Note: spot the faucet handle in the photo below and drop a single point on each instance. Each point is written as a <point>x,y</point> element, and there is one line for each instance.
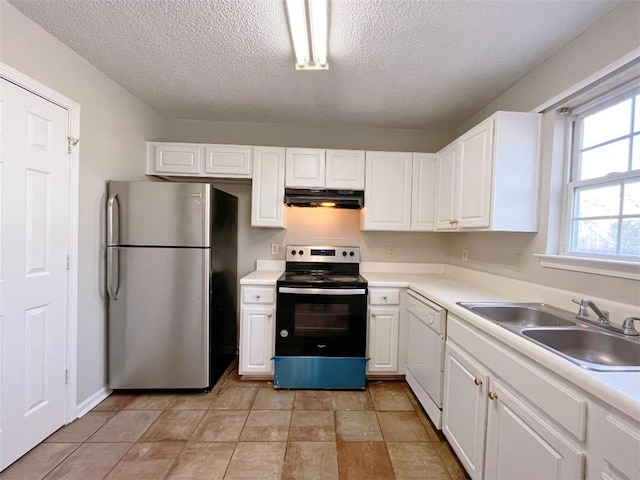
<point>628,328</point>
<point>584,303</point>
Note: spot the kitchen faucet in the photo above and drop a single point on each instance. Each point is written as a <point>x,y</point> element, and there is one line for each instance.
<point>583,313</point>
<point>628,327</point>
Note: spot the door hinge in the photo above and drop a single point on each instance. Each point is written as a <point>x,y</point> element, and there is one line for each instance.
<point>66,376</point>
<point>68,262</point>
<point>72,142</point>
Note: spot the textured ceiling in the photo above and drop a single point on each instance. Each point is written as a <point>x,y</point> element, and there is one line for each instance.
<point>392,63</point>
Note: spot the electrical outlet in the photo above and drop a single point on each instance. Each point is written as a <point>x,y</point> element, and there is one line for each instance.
<point>391,252</point>
<point>465,255</point>
<point>275,247</point>
<point>519,262</point>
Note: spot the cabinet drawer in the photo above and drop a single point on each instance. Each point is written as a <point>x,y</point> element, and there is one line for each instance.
<point>384,297</point>
<point>258,295</point>
<point>564,405</point>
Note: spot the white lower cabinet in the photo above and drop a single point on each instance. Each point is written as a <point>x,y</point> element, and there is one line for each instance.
<point>617,446</point>
<point>465,409</point>
<point>521,445</point>
<point>383,328</point>
<point>257,331</point>
<point>498,431</point>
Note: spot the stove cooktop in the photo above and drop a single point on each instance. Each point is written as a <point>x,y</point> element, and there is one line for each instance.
<point>324,279</point>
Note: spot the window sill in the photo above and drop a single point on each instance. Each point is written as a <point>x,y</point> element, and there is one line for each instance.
<point>596,266</point>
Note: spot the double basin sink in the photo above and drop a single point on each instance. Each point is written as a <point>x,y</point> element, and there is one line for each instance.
<point>557,330</point>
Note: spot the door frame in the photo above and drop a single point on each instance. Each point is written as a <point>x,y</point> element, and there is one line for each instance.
<point>71,344</point>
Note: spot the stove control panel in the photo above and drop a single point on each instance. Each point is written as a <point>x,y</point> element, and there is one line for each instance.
<point>297,253</point>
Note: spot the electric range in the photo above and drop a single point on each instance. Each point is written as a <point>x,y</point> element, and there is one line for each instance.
<point>321,319</point>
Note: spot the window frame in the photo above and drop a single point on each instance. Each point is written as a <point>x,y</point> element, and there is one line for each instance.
<point>596,103</point>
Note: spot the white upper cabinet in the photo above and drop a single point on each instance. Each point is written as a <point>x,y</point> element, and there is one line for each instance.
<point>198,160</point>
<point>228,160</point>
<point>446,187</point>
<point>474,176</point>
<point>423,192</point>
<point>267,188</point>
<point>318,168</point>
<point>305,168</point>
<point>174,158</point>
<point>488,178</point>
<point>345,169</point>
<point>387,193</point>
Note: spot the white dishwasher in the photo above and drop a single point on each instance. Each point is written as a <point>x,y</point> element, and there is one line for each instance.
<point>425,353</point>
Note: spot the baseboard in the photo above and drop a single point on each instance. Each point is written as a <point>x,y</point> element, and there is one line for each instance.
<point>92,401</point>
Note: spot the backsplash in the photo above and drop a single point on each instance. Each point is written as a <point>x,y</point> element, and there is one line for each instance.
<point>326,226</point>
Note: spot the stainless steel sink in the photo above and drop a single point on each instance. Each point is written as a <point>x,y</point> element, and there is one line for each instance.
<point>558,331</point>
<point>521,315</point>
<point>591,346</point>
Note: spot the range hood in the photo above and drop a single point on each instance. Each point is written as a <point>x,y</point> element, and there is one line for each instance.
<point>312,197</point>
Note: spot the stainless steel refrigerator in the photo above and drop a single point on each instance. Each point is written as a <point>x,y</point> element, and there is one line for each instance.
<point>171,283</point>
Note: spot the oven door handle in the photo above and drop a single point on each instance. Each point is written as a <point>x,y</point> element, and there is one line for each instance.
<point>323,291</point>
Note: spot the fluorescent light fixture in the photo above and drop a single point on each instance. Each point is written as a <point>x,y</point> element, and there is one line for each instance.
<point>318,25</point>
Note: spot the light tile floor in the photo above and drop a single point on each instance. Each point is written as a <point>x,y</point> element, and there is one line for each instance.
<point>248,430</point>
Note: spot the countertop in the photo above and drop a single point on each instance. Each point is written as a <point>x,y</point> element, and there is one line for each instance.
<point>261,277</point>
<point>618,389</point>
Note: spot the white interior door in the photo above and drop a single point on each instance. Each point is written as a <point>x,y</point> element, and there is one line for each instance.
<point>34,239</point>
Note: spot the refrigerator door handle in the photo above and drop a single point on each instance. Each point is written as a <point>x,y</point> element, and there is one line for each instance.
<point>113,273</point>
<point>111,203</point>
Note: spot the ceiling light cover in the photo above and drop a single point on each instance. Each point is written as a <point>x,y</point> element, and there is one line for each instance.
<point>319,20</point>
<point>310,38</point>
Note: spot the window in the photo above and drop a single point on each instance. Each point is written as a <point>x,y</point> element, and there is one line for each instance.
<point>603,211</point>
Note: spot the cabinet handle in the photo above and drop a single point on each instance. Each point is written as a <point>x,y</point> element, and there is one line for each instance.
<point>257,297</point>
<point>493,395</point>
<point>384,298</point>
<point>454,222</point>
<point>373,314</point>
<point>477,381</point>
<point>269,315</point>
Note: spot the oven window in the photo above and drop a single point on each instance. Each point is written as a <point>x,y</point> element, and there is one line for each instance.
<point>321,320</point>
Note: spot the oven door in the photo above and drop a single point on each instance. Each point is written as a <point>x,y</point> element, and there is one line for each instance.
<point>328,322</point>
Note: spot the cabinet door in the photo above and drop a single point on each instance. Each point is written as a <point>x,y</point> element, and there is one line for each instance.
<point>174,159</point>
<point>475,177</point>
<point>617,445</point>
<point>228,160</point>
<point>446,188</point>
<point>382,345</point>
<point>257,340</point>
<point>423,192</point>
<point>267,187</point>
<point>465,409</point>
<point>387,195</point>
<point>305,167</point>
<point>520,445</point>
<point>345,169</point>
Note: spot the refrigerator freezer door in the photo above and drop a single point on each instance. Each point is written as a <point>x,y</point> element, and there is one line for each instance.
<point>159,317</point>
<point>156,214</point>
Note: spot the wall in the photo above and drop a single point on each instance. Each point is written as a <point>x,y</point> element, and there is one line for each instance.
<point>114,127</point>
<point>612,37</point>
<point>297,135</point>
<point>316,226</point>
<point>321,226</point>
